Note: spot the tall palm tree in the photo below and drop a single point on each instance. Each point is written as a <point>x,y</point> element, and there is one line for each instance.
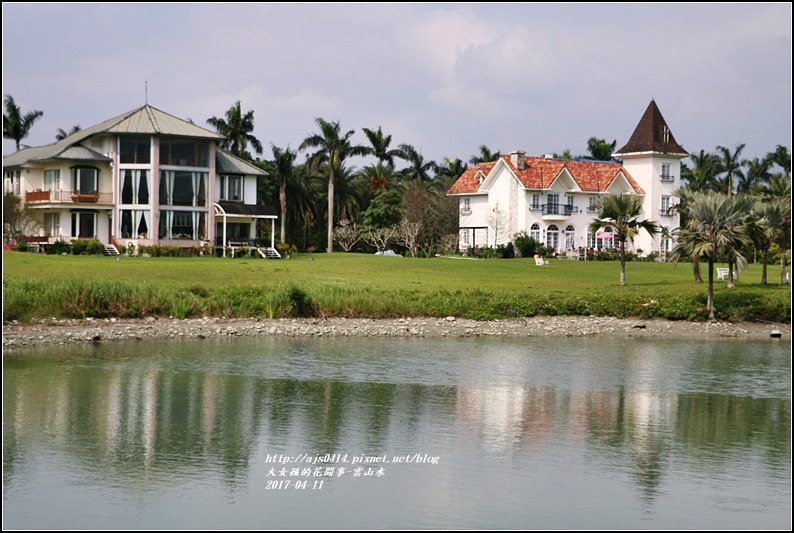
<point>703,176</point>
<point>485,156</point>
<point>756,178</point>
<point>600,149</point>
<point>380,146</point>
<point>380,176</point>
<point>764,224</point>
<point>731,164</point>
<point>16,125</point>
<point>685,197</point>
<point>333,148</point>
<point>61,134</point>
<point>238,129</point>
<point>716,225</point>
<point>451,169</point>
<point>282,168</point>
<point>418,168</point>
<point>622,211</point>
<point>782,158</point>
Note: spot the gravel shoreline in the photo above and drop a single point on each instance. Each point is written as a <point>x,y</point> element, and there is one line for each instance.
<point>62,332</point>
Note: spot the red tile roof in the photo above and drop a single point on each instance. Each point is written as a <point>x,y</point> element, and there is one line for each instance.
<point>539,173</point>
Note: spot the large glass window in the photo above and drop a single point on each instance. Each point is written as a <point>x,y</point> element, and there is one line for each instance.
<point>83,225</point>
<point>184,152</point>
<point>135,150</point>
<point>52,224</point>
<point>232,188</point>
<point>183,225</point>
<point>553,236</point>
<point>52,180</point>
<point>570,238</point>
<point>84,180</point>
<point>134,186</point>
<point>183,188</point>
<point>534,232</point>
<point>134,224</point>
<point>665,205</point>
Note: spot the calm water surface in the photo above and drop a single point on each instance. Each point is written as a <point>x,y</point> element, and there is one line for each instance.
<point>419,433</point>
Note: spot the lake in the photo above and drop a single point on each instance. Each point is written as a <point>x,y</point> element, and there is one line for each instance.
<point>266,433</point>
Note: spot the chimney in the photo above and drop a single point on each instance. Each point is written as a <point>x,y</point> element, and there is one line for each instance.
<point>517,159</point>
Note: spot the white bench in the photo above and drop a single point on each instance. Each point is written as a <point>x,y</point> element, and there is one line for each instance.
<point>722,273</point>
<point>540,262</point>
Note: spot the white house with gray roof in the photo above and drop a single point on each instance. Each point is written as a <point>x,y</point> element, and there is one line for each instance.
<point>142,178</point>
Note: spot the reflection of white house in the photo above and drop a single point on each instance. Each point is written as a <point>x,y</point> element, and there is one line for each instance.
<point>553,200</point>
<point>144,177</point>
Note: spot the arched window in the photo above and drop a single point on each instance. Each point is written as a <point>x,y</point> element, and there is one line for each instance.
<point>534,232</point>
<point>570,238</point>
<point>553,237</point>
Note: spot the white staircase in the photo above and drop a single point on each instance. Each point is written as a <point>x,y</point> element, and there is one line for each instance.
<point>110,249</point>
<point>269,253</point>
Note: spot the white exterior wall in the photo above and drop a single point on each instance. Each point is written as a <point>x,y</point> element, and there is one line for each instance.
<point>646,171</point>
<point>249,190</point>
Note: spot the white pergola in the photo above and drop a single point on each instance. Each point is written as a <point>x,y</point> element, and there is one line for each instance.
<point>245,214</point>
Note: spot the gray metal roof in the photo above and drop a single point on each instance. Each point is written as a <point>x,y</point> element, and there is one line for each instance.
<point>145,120</point>
<point>239,208</point>
<point>228,163</point>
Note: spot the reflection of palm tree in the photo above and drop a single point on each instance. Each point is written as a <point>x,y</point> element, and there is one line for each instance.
<point>333,148</point>
<point>237,128</point>
<point>622,211</point>
<point>716,224</point>
<point>17,126</point>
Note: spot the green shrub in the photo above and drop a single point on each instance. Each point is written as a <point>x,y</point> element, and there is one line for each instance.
<point>59,247</point>
<point>22,246</point>
<point>94,247</point>
<point>79,246</point>
<point>525,245</point>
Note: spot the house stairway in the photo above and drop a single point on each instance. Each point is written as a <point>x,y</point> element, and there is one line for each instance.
<point>269,253</point>
<point>110,249</point>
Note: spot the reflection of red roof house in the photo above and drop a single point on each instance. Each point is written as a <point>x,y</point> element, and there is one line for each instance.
<point>554,200</point>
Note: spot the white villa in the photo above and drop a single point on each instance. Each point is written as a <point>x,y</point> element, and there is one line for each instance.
<point>142,178</point>
<point>553,200</point>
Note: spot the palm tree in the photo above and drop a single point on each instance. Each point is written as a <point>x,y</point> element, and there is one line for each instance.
<point>703,176</point>
<point>61,134</point>
<point>716,225</point>
<point>333,148</point>
<point>622,211</point>
<point>380,146</point>
<point>379,176</point>
<point>451,169</point>
<point>782,158</point>
<point>600,149</point>
<point>418,168</point>
<point>730,164</point>
<point>685,197</point>
<point>237,128</point>
<point>757,176</point>
<point>17,126</point>
<point>767,217</point>
<point>485,156</point>
<point>282,168</point>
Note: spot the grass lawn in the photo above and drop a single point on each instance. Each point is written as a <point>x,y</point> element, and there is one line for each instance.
<point>340,284</point>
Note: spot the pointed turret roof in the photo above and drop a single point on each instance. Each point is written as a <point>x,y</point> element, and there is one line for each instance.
<point>652,135</point>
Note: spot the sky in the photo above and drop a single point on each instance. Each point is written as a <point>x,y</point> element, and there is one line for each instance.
<point>445,78</point>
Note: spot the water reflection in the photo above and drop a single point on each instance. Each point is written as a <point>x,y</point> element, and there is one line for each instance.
<point>650,411</point>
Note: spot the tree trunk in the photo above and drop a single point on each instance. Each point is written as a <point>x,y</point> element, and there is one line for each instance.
<point>330,247</point>
<point>696,270</point>
<point>711,288</point>
<point>622,262</point>
<point>282,197</point>
<point>783,279</point>
<point>763,266</point>
<point>731,284</point>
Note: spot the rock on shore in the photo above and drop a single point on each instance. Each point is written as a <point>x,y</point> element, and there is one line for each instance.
<point>60,332</point>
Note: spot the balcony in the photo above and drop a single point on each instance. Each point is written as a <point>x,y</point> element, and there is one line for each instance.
<point>33,197</point>
<point>558,211</point>
<point>667,178</point>
<point>465,211</point>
